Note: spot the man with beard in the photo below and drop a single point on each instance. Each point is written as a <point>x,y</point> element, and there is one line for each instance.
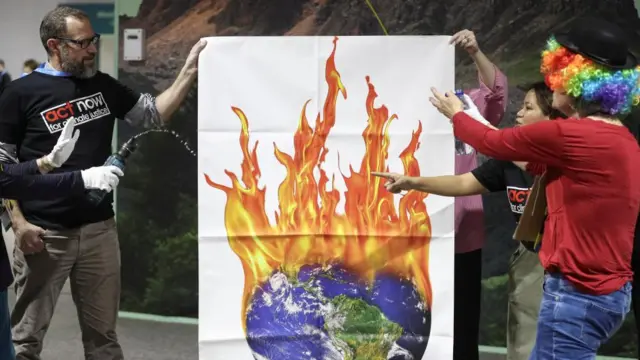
<point>82,241</point>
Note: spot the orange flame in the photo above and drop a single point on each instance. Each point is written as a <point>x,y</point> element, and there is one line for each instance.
<point>369,238</point>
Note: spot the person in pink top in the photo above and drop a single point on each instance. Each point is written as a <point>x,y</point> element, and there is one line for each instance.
<point>491,99</point>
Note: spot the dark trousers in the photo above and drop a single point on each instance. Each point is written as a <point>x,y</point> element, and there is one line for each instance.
<point>6,346</point>
<point>635,298</point>
<point>635,292</point>
<point>466,307</point>
<point>635,266</point>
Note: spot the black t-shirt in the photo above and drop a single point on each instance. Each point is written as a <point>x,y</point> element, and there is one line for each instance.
<point>33,111</point>
<point>5,79</point>
<point>497,175</point>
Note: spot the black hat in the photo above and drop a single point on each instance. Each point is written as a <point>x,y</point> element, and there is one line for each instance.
<point>600,41</point>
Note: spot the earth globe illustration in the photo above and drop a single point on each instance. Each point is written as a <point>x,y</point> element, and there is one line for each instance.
<point>329,313</point>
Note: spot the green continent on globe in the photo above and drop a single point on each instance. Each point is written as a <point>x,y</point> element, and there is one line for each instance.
<point>362,330</point>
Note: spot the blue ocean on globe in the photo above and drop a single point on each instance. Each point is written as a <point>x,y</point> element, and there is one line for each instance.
<point>329,313</point>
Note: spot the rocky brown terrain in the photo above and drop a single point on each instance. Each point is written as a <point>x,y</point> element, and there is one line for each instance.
<point>507,29</point>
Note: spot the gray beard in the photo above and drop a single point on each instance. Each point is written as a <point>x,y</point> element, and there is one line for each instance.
<point>77,69</point>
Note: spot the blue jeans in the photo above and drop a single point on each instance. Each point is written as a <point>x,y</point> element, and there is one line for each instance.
<point>572,325</point>
<point>6,345</point>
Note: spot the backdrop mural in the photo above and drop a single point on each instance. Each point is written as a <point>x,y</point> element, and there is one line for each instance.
<point>157,209</point>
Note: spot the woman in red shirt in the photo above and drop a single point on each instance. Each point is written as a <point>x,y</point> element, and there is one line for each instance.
<point>593,194</point>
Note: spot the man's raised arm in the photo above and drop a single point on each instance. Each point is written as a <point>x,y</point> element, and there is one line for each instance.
<point>148,111</point>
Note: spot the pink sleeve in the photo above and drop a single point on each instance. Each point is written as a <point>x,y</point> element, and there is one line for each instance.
<point>492,102</point>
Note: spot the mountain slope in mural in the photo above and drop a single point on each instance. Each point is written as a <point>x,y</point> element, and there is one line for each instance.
<point>507,29</point>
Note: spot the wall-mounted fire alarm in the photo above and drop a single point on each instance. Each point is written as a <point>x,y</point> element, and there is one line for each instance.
<point>134,45</point>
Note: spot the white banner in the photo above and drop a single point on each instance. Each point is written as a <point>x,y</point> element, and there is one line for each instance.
<point>303,254</point>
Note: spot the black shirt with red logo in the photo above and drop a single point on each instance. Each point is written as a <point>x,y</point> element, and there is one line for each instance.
<point>496,175</point>
<point>33,111</point>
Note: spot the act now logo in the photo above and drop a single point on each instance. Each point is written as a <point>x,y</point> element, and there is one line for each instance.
<point>518,198</point>
<point>84,109</point>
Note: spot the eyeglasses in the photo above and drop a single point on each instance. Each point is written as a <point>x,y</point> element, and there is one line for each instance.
<point>84,43</point>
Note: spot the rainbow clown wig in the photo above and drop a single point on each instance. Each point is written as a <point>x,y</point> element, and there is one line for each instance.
<point>616,91</point>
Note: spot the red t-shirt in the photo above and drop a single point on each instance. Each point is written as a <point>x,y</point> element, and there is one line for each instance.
<point>593,192</point>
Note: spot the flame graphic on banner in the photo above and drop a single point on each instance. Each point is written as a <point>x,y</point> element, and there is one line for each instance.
<point>370,237</point>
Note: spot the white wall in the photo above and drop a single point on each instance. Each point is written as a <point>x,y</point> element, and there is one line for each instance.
<point>20,39</point>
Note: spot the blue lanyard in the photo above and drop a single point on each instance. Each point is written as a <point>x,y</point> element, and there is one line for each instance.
<point>45,68</point>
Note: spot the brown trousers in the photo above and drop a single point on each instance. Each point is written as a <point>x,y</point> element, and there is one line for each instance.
<point>90,257</point>
<point>526,276</point>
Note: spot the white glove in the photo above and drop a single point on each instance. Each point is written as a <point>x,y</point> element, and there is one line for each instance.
<point>65,145</point>
<point>101,177</point>
<point>472,110</point>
